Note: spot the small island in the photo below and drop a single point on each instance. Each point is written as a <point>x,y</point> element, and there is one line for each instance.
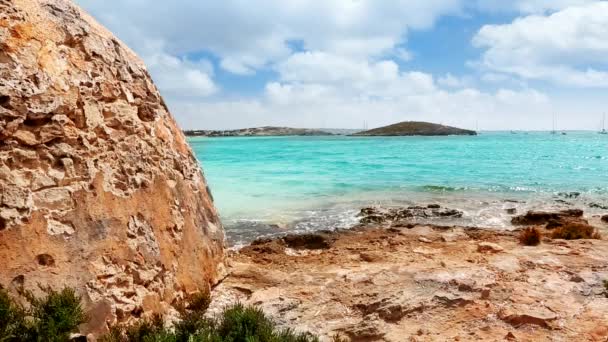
<point>266,131</point>
<point>410,128</point>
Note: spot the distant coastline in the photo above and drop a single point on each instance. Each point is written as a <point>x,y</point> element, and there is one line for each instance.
<point>266,131</point>
<point>413,128</point>
<point>407,128</point>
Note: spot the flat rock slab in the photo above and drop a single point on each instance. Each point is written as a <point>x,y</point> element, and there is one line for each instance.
<point>393,284</point>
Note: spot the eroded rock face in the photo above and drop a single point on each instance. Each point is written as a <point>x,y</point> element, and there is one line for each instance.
<point>98,188</point>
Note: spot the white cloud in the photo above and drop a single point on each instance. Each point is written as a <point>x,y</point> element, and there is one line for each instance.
<point>529,6</point>
<point>249,35</point>
<point>356,77</point>
<point>337,62</point>
<point>451,81</point>
<point>568,47</point>
<point>307,96</point>
<point>179,77</point>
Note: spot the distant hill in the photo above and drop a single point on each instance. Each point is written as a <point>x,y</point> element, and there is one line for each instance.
<point>266,131</point>
<point>415,128</point>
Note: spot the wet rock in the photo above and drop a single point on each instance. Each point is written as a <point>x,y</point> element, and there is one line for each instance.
<point>511,211</point>
<point>401,216</point>
<point>309,241</point>
<point>448,213</point>
<point>598,206</point>
<point>264,246</point>
<point>543,217</point>
<point>573,194</point>
<point>605,218</point>
<point>489,247</point>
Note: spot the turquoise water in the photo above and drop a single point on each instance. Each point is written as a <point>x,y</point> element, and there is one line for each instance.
<point>271,185</point>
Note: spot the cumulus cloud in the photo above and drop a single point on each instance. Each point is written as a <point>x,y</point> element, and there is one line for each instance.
<point>179,77</point>
<point>338,63</point>
<point>568,47</point>
<point>529,6</point>
<point>346,100</point>
<point>249,35</point>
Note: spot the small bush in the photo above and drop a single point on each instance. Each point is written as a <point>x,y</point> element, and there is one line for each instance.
<point>237,323</point>
<point>12,319</point>
<point>51,318</point>
<point>575,231</point>
<point>54,317</point>
<point>530,237</point>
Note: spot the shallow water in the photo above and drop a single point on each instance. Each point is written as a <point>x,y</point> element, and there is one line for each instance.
<point>270,185</point>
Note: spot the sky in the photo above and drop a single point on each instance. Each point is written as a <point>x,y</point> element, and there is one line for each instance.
<point>487,64</point>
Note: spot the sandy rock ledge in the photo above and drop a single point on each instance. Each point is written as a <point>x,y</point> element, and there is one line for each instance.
<point>427,283</point>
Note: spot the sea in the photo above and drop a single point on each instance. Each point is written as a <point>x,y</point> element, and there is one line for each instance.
<point>268,186</point>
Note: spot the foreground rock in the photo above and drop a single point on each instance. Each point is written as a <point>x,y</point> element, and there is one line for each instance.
<point>409,128</point>
<point>427,283</point>
<point>266,131</point>
<point>98,189</point>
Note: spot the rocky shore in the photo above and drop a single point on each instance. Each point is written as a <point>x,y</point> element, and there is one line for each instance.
<point>391,280</point>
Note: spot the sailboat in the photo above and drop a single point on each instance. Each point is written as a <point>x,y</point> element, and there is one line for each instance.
<point>553,130</point>
<point>603,131</point>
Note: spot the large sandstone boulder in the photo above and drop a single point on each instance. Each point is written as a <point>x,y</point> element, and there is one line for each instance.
<point>99,189</point>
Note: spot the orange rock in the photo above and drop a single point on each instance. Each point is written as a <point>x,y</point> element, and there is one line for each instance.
<point>99,190</point>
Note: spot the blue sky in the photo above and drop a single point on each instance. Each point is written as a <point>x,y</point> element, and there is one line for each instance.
<point>504,64</point>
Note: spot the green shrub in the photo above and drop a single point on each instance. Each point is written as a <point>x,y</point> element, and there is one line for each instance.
<point>51,318</point>
<point>54,317</point>
<point>237,323</point>
<point>12,319</point>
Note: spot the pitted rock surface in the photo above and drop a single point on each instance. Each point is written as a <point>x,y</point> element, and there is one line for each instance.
<point>98,188</point>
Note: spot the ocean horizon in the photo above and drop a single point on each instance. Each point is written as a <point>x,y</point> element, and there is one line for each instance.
<point>267,186</point>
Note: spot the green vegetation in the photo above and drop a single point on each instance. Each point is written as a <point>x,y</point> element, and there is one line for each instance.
<point>54,317</point>
<point>236,324</point>
<point>51,318</point>
<point>530,237</point>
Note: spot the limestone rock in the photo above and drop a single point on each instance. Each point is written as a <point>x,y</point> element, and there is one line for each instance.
<point>538,316</point>
<point>99,190</point>
<point>489,247</point>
